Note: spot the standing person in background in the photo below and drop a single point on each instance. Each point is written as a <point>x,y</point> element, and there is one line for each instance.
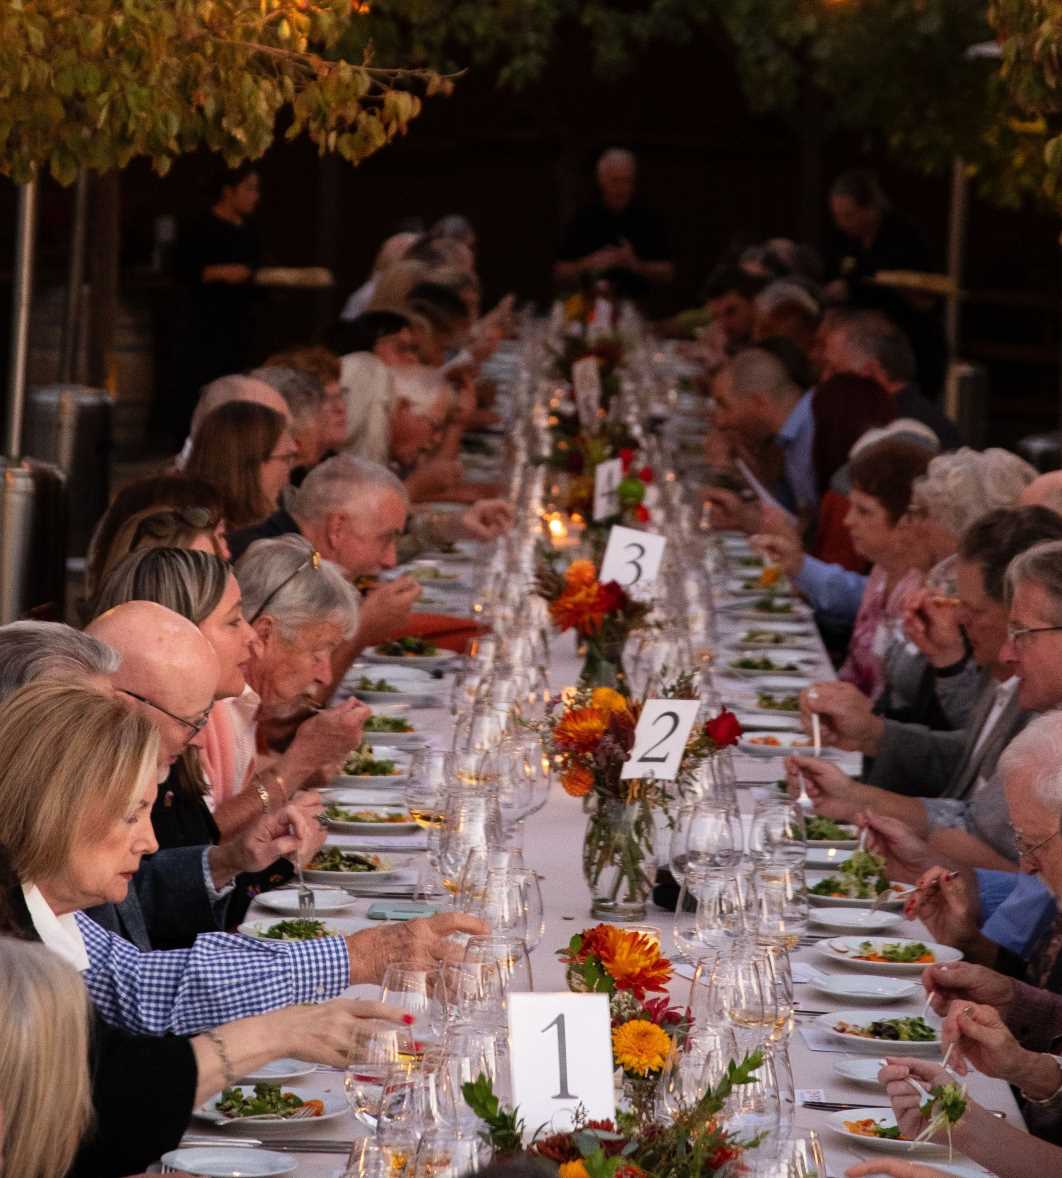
<point>616,238</point>
<point>216,259</point>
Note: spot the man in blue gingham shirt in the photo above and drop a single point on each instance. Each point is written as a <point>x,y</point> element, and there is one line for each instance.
<point>224,977</point>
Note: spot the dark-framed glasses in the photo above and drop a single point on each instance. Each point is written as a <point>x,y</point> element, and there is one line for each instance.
<point>311,561</point>
<point>195,726</point>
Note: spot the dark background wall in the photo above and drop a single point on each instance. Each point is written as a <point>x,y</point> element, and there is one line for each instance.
<point>518,163</point>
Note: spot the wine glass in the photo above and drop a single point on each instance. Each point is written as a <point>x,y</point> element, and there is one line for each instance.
<point>471,823</point>
<point>443,1153</point>
<point>777,834</point>
<point>709,913</point>
<point>778,906</point>
<point>706,834</point>
<point>374,1053</point>
<point>533,905</point>
<point>429,775</point>
<point>420,993</point>
<point>747,996</point>
<point>502,903</point>
<point>369,1158</point>
<point>502,966</point>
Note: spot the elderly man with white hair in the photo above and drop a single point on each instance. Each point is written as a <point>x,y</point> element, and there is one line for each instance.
<point>616,237</point>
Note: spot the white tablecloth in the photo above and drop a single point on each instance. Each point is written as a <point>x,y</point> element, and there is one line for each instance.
<point>553,845</point>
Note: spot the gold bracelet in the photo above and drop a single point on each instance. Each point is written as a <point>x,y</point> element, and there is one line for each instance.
<point>219,1046</point>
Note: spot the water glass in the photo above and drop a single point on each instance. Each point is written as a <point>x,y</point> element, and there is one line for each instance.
<point>777,834</point>
<point>420,993</point>
<point>374,1053</point>
<point>777,910</point>
<point>442,1153</point>
<point>710,911</point>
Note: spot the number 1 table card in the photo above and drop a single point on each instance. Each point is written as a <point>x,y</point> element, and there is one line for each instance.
<point>660,738</point>
<point>561,1057</point>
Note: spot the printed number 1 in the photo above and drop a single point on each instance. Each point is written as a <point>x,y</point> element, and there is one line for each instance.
<point>562,1057</point>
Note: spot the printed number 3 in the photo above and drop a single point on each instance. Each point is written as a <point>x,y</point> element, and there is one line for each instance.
<point>562,1057</point>
<point>635,561</point>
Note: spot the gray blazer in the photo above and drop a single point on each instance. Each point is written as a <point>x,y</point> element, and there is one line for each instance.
<point>919,762</point>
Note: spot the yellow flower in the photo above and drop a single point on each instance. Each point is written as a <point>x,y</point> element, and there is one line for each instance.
<point>608,700</point>
<point>576,1169</point>
<point>640,1046</point>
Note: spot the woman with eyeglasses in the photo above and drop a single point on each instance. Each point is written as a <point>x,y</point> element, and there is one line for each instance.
<point>247,451</point>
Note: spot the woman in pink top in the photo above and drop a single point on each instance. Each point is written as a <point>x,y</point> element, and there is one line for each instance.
<point>883,475</point>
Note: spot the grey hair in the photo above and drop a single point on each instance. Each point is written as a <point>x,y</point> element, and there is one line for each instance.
<point>782,292</point>
<point>334,485</point>
<point>616,155</point>
<point>280,575</point>
<point>905,428</point>
<point>302,392</point>
<point>756,370</point>
<point>454,225</point>
<point>1038,746</point>
<point>1041,565</point>
<point>868,335</point>
<point>962,486</point>
<point>50,651</point>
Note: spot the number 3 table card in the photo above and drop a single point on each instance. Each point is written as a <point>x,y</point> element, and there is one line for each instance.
<point>561,1055</point>
<point>631,557</point>
<point>660,738</point>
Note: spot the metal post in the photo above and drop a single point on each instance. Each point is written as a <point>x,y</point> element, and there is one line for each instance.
<point>21,299</point>
<point>75,280</point>
<point>957,218</point>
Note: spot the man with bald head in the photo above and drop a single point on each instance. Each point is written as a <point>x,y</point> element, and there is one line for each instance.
<point>231,388</point>
<point>616,237</point>
<point>1044,491</point>
<point>169,672</point>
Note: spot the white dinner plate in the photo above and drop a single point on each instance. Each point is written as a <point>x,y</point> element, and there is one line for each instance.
<point>414,687</point>
<point>862,920</point>
<point>879,1047</point>
<point>767,721</point>
<point>259,928</point>
<point>346,782</point>
<point>846,844</point>
<point>787,610</point>
<point>790,631</point>
<point>798,641</point>
<point>228,1161</point>
<point>279,1071</point>
<point>374,828</point>
<point>866,987</point>
<point>378,741</point>
<point>774,744</point>
<point>747,587</point>
<point>894,902</point>
<point>886,1119</point>
<point>846,948</point>
<point>860,1069</point>
<point>826,857</point>
<point>780,665</point>
<point>333,1108</point>
<point>327,901</point>
<point>389,870</point>
<point>423,662</point>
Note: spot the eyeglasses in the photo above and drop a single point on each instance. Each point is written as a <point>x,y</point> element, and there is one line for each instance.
<point>1017,634</point>
<point>313,560</point>
<point>196,726</point>
<point>1026,850</point>
<point>163,525</point>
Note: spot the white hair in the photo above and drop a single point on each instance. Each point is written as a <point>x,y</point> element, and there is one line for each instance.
<point>962,486</point>
<point>755,370</point>
<point>281,576</point>
<point>333,485</point>
<point>1038,747</point>
<point>50,651</point>
<point>421,387</point>
<point>905,428</point>
<point>616,155</point>
<point>369,391</point>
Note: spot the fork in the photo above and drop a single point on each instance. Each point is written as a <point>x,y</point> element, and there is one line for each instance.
<point>307,903</point>
<point>303,1113</point>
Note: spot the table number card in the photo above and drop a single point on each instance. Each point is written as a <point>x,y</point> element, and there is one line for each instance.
<point>660,738</point>
<point>586,383</point>
<point>561,1057</point>
<point>632,557</point>
<point>607,477</point>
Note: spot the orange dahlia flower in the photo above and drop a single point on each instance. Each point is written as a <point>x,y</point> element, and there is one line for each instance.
<point>579,730</point>
<point>609,700</point>
<point>577,781</point>
<point>640,1046</point>
<point>632,960</point>
<point>580,608</point>
<point>580,574</point>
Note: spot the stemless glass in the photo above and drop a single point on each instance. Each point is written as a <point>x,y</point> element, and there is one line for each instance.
<point>777,834</point>
<point>374,1054</point>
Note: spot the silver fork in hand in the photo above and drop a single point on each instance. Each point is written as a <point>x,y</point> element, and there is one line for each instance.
<point>307,903</point>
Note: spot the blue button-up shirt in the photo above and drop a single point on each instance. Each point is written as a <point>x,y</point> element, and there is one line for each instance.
<point>796,438</point>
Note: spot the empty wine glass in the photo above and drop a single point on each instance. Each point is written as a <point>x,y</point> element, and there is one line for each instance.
<point>502,903</point>
<point>777,906</point>
<point>471,823</point>
<point>374,1053</point>
<point>706,834</point>
<point>777,834</point>
<point>429,776</point>
<point>709,913</point>
<point>502,966</point>
<point>443,1153</point>
<point>420,993</point>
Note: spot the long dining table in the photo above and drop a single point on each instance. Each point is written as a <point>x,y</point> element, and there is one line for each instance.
<point>553,847</point>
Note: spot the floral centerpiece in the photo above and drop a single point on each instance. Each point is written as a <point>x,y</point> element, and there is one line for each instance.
<point>628,966</point>
<point>603,614</point>
<point>694,1145</point>
<point>589,735</point>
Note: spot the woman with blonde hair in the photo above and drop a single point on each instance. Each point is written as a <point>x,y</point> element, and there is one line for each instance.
<point>44,1043</point>
<point>77,777</point>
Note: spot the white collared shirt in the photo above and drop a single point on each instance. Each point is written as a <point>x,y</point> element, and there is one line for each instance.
<point>60,933</point>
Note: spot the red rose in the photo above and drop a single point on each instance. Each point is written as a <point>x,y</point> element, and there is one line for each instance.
<point>626,457</point>
<point>646,474</point>
<point>611,597</point>
<point>724,729</point>
<point>641,513</point>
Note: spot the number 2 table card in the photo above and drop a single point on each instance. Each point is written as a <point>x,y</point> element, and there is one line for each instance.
<point>561,1057</point>
<point>631,557</point>
<point>660,738</point>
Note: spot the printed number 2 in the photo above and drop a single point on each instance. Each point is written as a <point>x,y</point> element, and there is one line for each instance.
<point>647,757</point>
<point>635,561</point>
<point>562,1057</point>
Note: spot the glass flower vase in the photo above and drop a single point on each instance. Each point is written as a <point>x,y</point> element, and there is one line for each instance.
<point>619,862</point>
<point>603,667</point>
